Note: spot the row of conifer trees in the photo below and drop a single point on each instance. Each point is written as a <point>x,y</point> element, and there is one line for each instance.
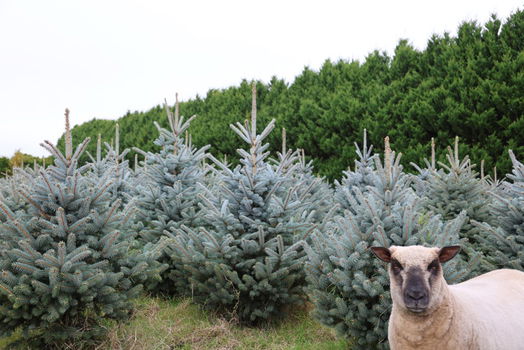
<point>79,242</point>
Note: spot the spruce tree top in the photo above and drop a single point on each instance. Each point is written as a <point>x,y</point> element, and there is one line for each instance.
<point>178,158</point>
<point>167,193</point>
<point>362,177</point>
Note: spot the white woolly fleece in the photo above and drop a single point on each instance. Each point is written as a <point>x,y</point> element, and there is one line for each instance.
<point>484,313</point>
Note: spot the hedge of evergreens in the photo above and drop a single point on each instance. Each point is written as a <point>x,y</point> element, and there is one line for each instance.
<point>469,85</point>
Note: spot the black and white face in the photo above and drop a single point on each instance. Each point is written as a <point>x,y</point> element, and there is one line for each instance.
<point>416,275</point>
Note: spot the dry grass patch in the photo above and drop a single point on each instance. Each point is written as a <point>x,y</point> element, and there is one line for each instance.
<point>160,324</point>
<point>177,324</point>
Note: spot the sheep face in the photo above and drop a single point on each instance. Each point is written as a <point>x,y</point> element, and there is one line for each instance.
<point>415,274</point>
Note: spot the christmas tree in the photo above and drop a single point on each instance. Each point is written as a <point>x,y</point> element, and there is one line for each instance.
<point>317,190</point>
<point>65,266</point>
<point>114,167</point>
<point>347,285</point>
<point>362,177</point>
<point>247,260</point>
<point>503,239</point>
<point>454,188</point>
<point>421,180</point>
<point>10,196</point>
<point>167,197</point>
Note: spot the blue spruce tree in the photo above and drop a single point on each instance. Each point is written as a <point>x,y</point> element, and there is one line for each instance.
<point>421,180</point>
<point>168,196</point>
<point>503,239</point>
<point>362,177</point>
<point>317,190</point>
<point>10,196</point>
<point>114,167</point>
<point>63,267</point>
<point>247,259</point>
<point>454,188</point>
<point>347,285</point>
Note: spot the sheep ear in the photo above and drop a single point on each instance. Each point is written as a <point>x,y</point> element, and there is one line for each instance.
<point>448,253</point>
<point>382,253</point>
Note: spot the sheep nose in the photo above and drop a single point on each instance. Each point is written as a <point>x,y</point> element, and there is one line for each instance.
<point>416,294</point>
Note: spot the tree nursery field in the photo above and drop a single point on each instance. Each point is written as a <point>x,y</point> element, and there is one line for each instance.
<point>257,238</point>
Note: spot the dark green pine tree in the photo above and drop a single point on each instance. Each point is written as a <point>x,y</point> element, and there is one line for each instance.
<point>504,238</point>
<point>247,260</point>
<point>347,284</point>
<point>65,267</point>
<point>167,196</point>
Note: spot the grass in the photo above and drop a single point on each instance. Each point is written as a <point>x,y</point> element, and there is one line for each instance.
<point>160,324</point>
<point>177,324</point>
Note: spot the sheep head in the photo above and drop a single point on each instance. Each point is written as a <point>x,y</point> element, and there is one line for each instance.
<point>415,273</point>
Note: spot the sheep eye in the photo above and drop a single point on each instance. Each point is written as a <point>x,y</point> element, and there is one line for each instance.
<point>395,266</point>
<point>433,266</point>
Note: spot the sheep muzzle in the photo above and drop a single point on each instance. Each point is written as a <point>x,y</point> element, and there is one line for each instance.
<point>416,292</point>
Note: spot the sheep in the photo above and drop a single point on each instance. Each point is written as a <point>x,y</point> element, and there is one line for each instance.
<point>483,313</point>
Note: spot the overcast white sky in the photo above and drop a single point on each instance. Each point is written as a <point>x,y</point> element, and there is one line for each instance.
<point>102,58</point>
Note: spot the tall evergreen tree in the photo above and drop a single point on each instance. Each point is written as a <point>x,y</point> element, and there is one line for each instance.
<point>504,238</point>
<point>454,188</point>
<point>421,180</point>
<point>362,177</point>
<point>247,261</point>
<point>346,285</point>
<point>114,167</point>
<point>66,267</point>
<point>316,189</point>
<point>167,197</point>
<point>10,196</point>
